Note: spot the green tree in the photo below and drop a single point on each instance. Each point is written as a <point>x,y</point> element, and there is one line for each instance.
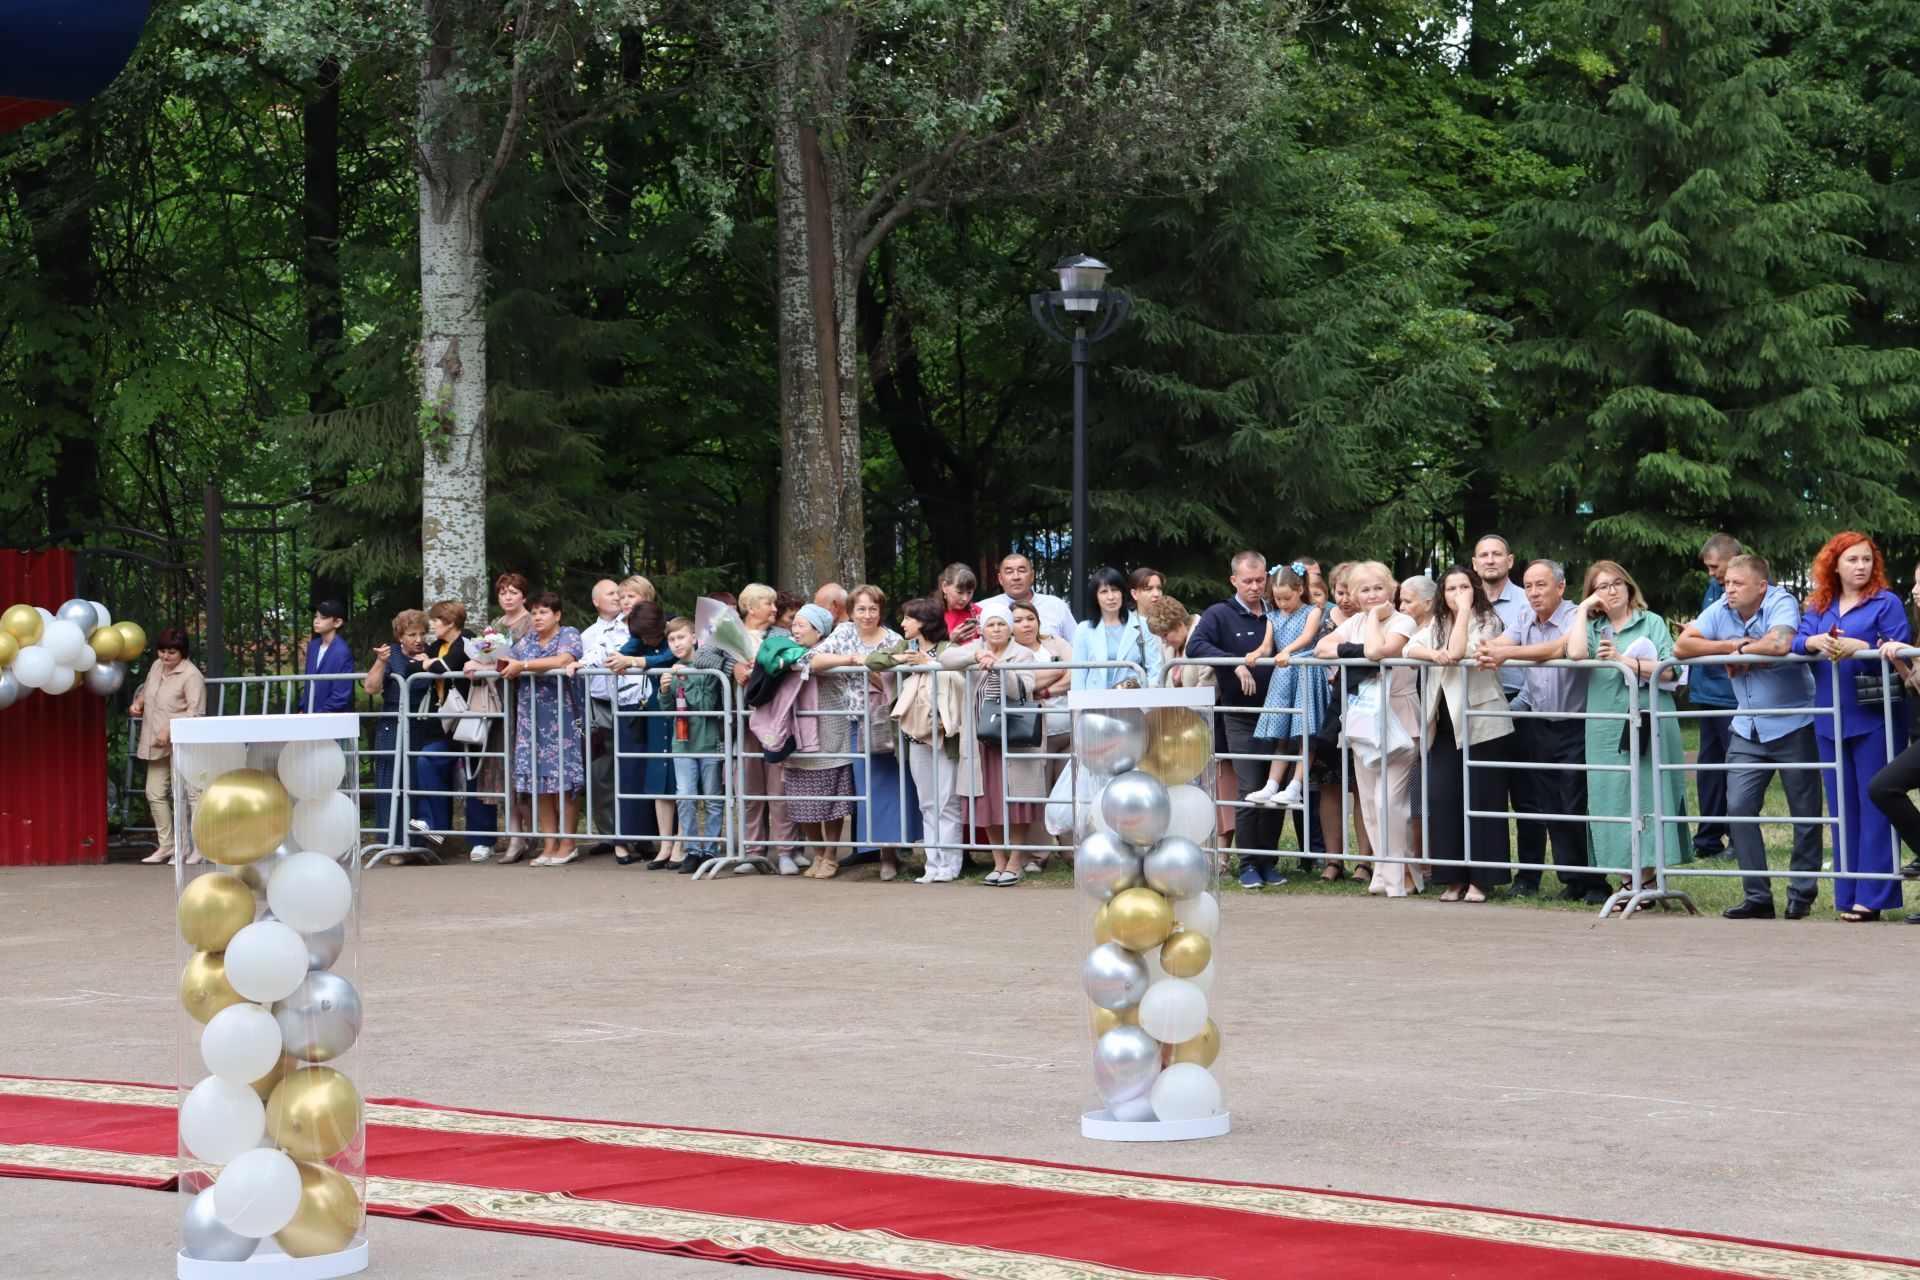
<point>1702,374</point>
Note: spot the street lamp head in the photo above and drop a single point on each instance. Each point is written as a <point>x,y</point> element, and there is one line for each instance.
<point>1081,274</point>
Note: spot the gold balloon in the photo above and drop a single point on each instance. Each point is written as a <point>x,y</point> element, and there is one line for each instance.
<point>1139,919</point>
<point>9,648</point>
<point>314,1113</point>
<point>1181,744</point>
<point>1201,1050</point>
<point>23,623</point>
<point>1101,932</point>
<point>133,641</point>
<point>266,1084</point>
<point>204,989</point>
<point>1186,953</point>
<point>106,643</point>
<point>244,814</point>
<point>1105,1020</point>
<point>328,1216</point>
<point>212,909</point>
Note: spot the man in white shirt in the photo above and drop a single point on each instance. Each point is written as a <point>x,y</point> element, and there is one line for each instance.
<point>1016,587</point>
<point>599,642</point>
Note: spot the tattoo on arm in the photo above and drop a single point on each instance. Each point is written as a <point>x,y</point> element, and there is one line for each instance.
<point>1781,638</point>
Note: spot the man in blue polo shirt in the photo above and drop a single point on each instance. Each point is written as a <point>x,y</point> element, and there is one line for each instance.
<point>1759,620</point>
<point>1235,628</point>
<point>1709,689</point>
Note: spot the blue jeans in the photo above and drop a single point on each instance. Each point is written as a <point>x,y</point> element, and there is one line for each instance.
<point>694,777</point>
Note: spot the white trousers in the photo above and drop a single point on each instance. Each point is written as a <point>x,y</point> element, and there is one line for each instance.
<point>941,806</point>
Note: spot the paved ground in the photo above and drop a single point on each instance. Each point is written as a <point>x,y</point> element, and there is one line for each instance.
<point>1693,1073</point>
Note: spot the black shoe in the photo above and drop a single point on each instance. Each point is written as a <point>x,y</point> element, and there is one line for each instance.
<point>1911,870</point>
<point>1596,897</point>
<point>1914,918</point>
<point>660,863</point>
<point>691,863</point>
<point>1749,911</point>
<point>1524,891</point>
<point>1709,851</point>
<point>1799,910</point>
<point>1571,893</point>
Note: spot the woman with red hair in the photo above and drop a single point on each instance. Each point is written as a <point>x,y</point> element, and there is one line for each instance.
<point>1848,613</point>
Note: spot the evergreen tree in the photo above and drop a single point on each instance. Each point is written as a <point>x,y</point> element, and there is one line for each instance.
<point>1703,374</point>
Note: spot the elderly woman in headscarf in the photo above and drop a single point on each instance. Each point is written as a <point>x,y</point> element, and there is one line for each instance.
<point>812,721</point>
<point>999,776</point>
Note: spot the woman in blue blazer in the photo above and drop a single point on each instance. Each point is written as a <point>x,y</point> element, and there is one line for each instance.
<point>1115,635</point>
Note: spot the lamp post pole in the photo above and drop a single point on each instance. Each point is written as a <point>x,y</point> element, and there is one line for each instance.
<point>1080,296</point>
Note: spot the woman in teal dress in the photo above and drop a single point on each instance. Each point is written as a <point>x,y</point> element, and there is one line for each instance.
<point>1616,616</point>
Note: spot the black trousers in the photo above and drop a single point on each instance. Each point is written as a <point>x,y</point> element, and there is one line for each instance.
<point>1891,791</point>
<point>1255,828</point>
<point>1508,789</point>
<point>1562,791</point>
<point>1450,793</point>
<point>1716,735</point>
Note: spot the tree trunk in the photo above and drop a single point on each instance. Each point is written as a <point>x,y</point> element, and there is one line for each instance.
<point>453,340</point>
<point>822,527</point>
<point>320,271</point>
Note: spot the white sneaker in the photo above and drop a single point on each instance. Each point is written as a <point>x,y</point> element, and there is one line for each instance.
<point>928,878</point>
<point>480,853</point>
<point>802,860</point>
<point>788,867</point>
<point>746,869</point>
<point>1289,798</point>
<point>995,878</point>
<point>1264,795</point>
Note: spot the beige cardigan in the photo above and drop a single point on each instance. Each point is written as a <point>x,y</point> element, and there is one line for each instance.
<point>1466,684</point>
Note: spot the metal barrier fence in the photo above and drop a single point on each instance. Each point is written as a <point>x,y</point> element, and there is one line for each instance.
<point>428,775</point>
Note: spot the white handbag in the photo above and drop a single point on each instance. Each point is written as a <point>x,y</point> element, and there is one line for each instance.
<point>1367,719</point>
<point>458,719</point>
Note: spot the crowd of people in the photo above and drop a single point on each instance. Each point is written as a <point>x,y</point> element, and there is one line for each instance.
<point>1440,708</point>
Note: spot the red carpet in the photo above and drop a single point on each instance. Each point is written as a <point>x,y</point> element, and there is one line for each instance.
<point>845,1209</point>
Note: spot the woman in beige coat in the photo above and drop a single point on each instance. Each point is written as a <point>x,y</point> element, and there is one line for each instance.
<point>1451,640</point>
<point>174,690</point>
<point>999,776</point>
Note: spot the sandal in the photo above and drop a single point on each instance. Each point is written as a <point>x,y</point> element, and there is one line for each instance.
<point>1860,915</point>
<point>1453,893</point>
<point>1361,871</point>
<point>1331,872</point>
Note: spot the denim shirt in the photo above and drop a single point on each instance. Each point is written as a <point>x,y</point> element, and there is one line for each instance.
<point>1786,684</point>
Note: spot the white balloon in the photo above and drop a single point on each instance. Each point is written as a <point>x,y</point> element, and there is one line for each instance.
<point>46,615</point>
<point>219,1119</point>
<point>59,680</point>
<point>1133,1110</point>
<point>63,640</point>
<point>241,1043</point>
<point>258,1193</point>
<point>1173,1010</point>
<point>328,825</point>
<point>205,761</point>
<point>106,619</point>
<point>1193,815</point>
<point>32,665</point>
<point>311,892</point>
<point>267,960</point>
<point>1200,914</point>
<point>312,770</point>
<point>1185,1091</point>
<point>1204,978</point>
<point>84,661</point>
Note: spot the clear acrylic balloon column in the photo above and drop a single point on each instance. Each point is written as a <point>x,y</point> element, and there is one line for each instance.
<point>1144,816</point>
<point>272,1125</point>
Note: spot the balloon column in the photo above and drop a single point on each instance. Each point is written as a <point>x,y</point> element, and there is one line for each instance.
<point>272,1126</point>
<point>77,644</point>
<point>1142,862</point>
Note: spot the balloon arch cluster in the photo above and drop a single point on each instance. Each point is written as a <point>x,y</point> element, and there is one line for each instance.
<point>1142,828</point>
<point>55,651</point>
<point>272,1134</point>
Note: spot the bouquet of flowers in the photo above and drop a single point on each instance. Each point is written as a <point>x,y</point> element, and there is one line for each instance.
<point>491,646</point>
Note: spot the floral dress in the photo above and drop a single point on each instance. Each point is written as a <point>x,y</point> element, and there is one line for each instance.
<point>548,747</point>
<point>1294,692</point>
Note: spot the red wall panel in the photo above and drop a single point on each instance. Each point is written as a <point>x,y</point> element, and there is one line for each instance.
<point>53,751</point>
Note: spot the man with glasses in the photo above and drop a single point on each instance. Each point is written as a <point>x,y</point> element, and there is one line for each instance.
<point>1555,737</point>
<point>1759,619</point>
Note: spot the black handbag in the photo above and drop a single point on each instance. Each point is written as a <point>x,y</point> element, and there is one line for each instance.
<point>1024,722</point>
<point>1875,687</point>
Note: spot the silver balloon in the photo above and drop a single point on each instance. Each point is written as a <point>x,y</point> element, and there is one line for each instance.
<point>1114,977</point>
<point>1104,865</point>
<point>257,873</point>
<point>1177,868</point>
<point>321,1019</point>
<point>323,948</point>
<point>1136,808</point>
<point>10,690</point>
<point>81,614</point>
<point>1125,1062</point>
<point>204,1239</point>
<point>105,678</point>
<point>1112,742</point>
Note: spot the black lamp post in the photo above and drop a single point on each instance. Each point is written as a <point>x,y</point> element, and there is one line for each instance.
<point>1083,301</point>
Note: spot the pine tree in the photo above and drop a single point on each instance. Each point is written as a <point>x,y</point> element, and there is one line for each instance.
<point>1703,374</point>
